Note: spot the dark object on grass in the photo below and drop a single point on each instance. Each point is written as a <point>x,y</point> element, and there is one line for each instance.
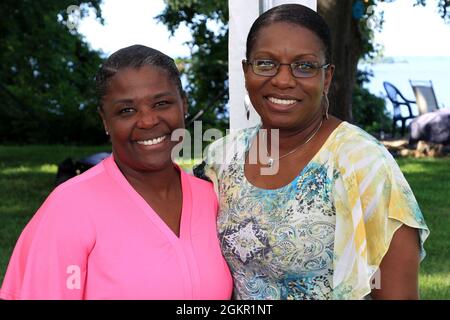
<point>69,169</point>
<point>199,171</point>
<point>432,127</point>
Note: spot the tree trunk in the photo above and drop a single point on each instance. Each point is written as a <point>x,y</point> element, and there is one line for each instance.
<point>347,49</point>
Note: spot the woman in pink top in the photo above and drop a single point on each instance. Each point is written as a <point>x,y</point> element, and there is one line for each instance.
<point>135,226</point>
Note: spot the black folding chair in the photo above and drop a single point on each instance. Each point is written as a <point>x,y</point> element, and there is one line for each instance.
<point>398,100</point>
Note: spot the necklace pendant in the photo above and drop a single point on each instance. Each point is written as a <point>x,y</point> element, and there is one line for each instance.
<point>270,163</point>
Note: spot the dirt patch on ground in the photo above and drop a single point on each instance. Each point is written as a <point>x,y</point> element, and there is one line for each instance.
<point>402,148</point>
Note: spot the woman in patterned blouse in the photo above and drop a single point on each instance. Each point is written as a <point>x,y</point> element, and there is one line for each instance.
<point>311,207</point>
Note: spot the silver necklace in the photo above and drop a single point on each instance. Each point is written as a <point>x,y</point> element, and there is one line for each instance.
<point>271,160</point>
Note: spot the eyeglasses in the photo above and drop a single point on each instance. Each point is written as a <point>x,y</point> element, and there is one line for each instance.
<point>299,69</point>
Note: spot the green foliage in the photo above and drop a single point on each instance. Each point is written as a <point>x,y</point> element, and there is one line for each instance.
<point>368,23</point>
<point>46,76</point>
<point>369,111</point>
<point>206,70</point>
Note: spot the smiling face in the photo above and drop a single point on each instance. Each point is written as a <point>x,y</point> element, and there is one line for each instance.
<point>283,101</point>
<point>141,109</point>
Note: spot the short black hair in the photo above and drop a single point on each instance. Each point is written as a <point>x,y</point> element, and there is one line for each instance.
<point>295,14</point>
<point>135,56</point>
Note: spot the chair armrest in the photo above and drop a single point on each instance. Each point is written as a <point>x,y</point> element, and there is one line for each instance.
<point>406,102</point>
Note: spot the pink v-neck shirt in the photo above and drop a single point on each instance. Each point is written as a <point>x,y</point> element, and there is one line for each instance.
<point>95,237</point>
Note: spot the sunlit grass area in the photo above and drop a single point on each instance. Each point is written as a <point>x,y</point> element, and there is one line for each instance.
<point>430,181</point>
<point>27,176</point>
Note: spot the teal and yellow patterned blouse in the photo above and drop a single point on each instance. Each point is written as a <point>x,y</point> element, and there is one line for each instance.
<point>324,234</point>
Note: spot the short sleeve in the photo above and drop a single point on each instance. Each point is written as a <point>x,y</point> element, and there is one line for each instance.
<point>49,260</point>
<point>372,200</point>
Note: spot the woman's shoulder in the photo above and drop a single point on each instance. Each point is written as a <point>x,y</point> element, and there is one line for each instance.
<point>80,194</point>
<point>351,134</point>
<point>351,141</point>
<point>67,210</point>
<point>84,183</point>
<point>198,185</point>
<point>357,154</point>
<point>201,192</point>
<point>233,142</point>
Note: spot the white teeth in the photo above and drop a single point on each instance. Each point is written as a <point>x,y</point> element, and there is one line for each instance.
<point>281,101</point>
<point>152,141</point>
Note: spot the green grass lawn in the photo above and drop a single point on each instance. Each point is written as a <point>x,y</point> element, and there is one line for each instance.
<point>430,181</point>
<point>27,175</point>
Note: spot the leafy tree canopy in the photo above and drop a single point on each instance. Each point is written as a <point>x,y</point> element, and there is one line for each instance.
<point>46,75</point>
<point>206,70</point>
